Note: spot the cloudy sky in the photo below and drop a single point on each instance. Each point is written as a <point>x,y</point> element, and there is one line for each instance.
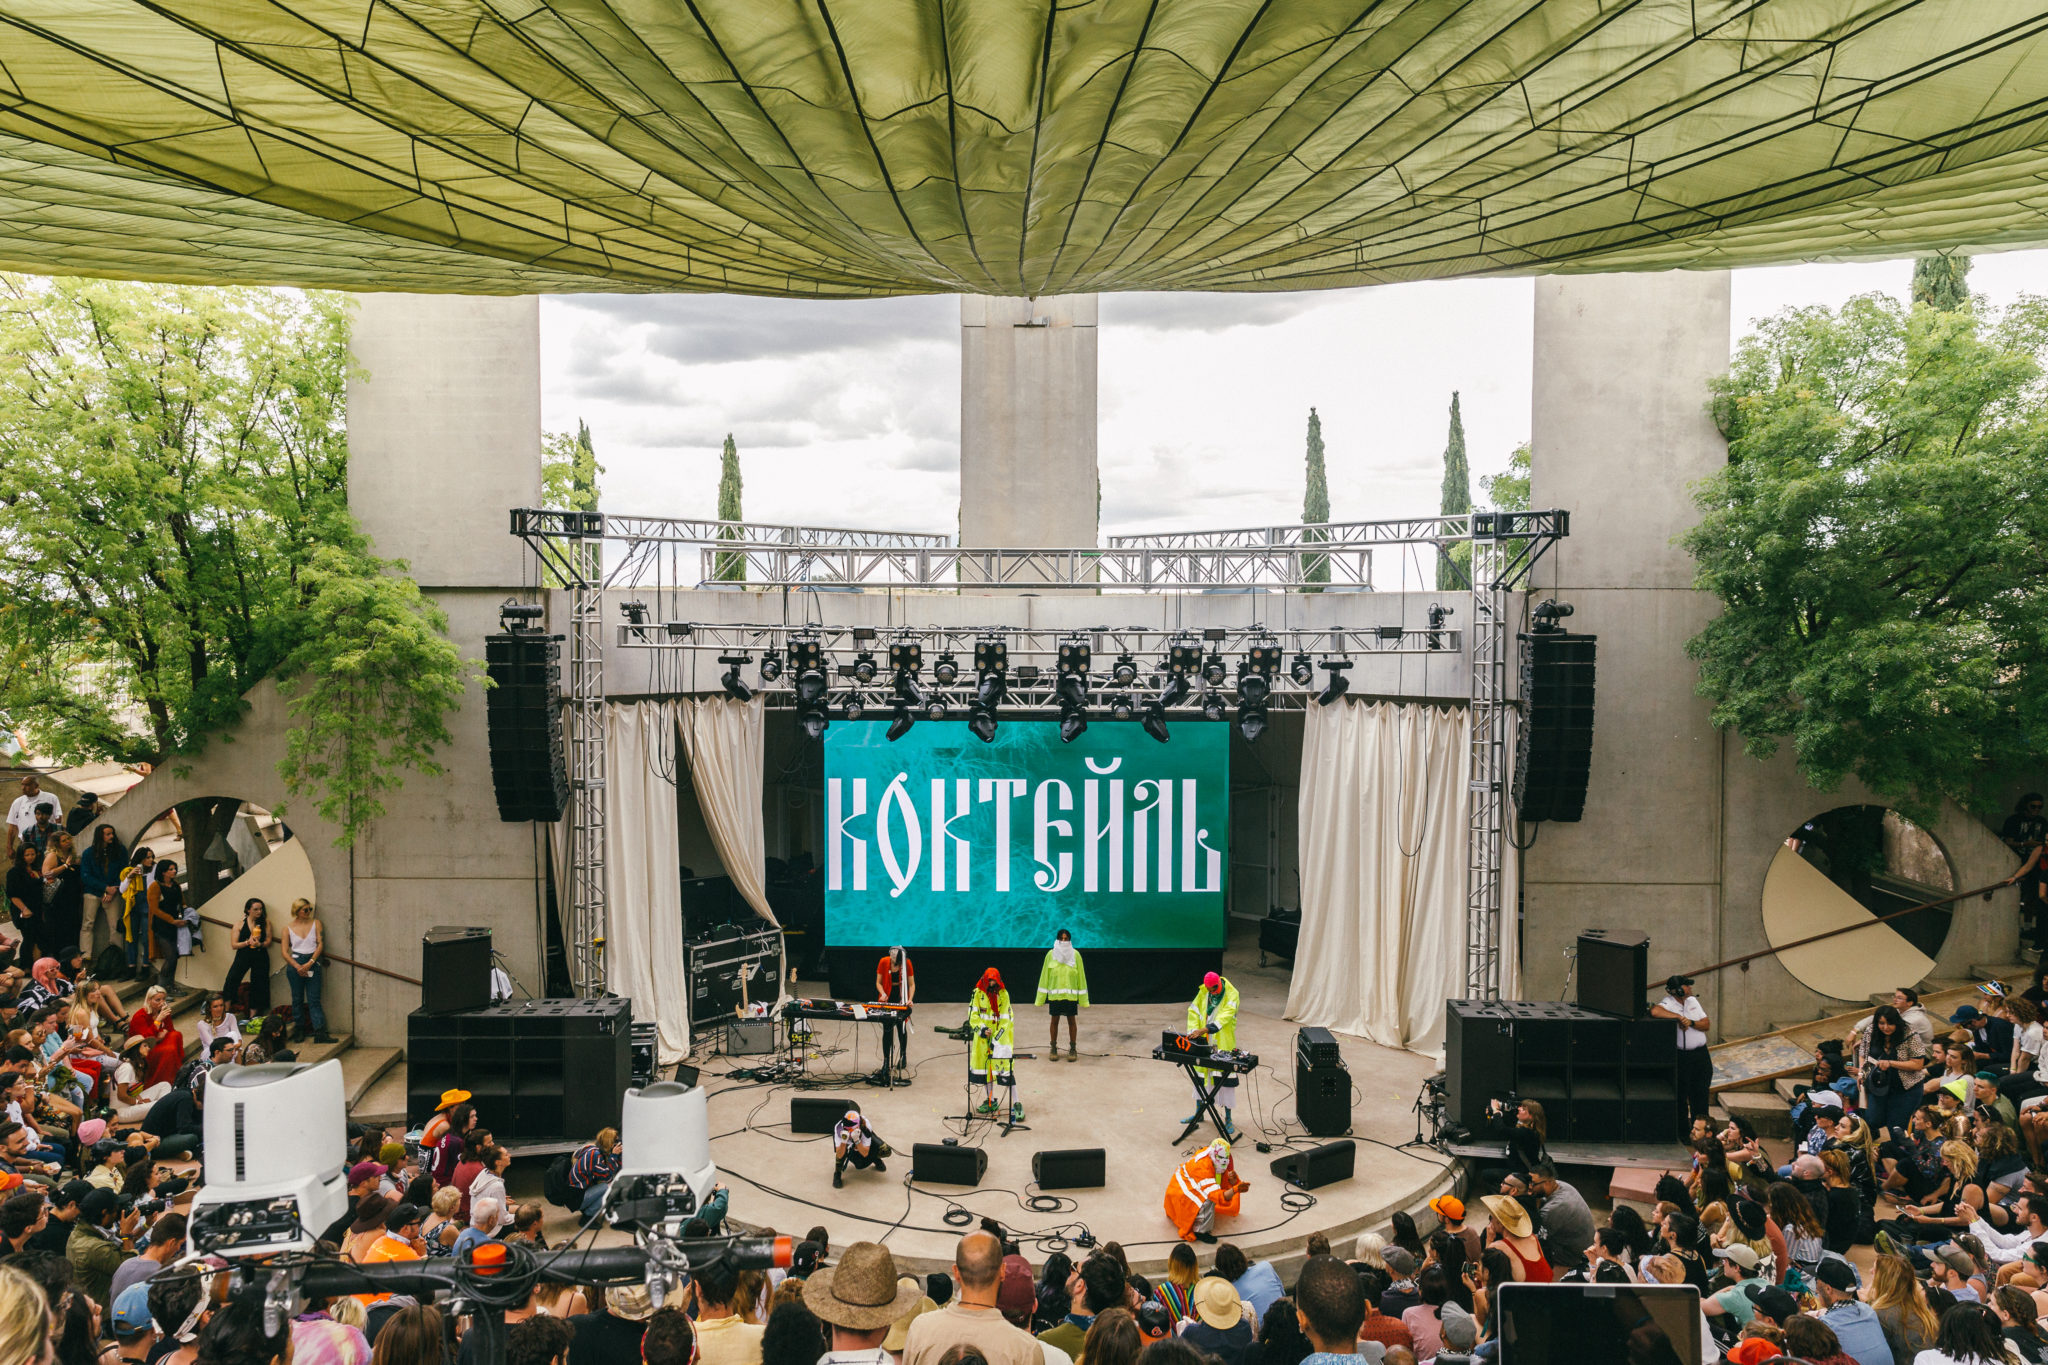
<point>848,414</point>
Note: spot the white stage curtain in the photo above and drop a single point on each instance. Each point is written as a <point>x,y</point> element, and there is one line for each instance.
<point>723,739</point>
<point>1382,831</point>
<point>643,950</point>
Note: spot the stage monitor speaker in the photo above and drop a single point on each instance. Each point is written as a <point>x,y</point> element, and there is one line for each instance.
<point>1076,1168</point>
<point>455,969</point>
<point>1479,1059</point>
<point>935,1163</point>
<point>523,723</point>
<point>1554,743</point>
<point>1322,1098</point>
<point>816,1114</point>
<point>1318,1166</point>
<point>1317,1047</point>
<point>1614,972</point>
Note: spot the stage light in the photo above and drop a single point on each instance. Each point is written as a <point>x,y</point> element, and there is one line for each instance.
<point>982,725</point>
<point>947,670</point>
<point>989,693</point>
<point>1155,722</point>
<point>636,619</point>
<point>907,690</point>
<point>864,666</point>
<point>1302,670</point>
<point>514,615</point>
<point>807,661</point>
<point>1338,684</point>
<point>1121,707</point>
<point>1388,632</point>
<point>1549,612</point>
<point>1074,655</point>
<point>1124,671</point>
<point>814,723</point>
<point>1183,656</point>
<point>900,726</point>
<point>771,666</point>
<point>1212,706</point>
<point>935,709</point>
<point>906,656</point>
<point>1072,691</point>
<point>1253,688</point>
<point>855,708</point>
<point>1213,672</point>
<point>1438,614</point>
<point>1251,723</point>
<point>734,688</point>
<point>1175,691</point>
<point>1263,658</point>
<point>991,654</point>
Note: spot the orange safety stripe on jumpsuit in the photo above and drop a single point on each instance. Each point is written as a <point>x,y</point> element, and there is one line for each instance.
<point>1195,1181</point>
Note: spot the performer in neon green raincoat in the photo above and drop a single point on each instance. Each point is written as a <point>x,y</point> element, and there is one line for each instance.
<point>1063,987</point>
<point>995,1034</point>
<point>1213,1015</point>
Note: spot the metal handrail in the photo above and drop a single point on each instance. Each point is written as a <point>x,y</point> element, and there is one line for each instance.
<point>330,956</point>
<point>1984,891</point>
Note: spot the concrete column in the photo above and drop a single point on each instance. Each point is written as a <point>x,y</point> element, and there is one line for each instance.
<point>444,440</point>
<point>1619,432</point>
<point>1027,422</point>
<point>444,432</point>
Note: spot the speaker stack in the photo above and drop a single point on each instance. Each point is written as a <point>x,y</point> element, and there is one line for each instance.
<point>1599,1078</point>
<point>1322,1084</point>
<point>537,1069</point>
<point>523,719</point>
<point>1554,745</point>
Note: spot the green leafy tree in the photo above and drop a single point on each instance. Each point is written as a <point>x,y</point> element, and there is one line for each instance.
<point>730,568</point>
<point>568,482</point>
<point>174,510</point>
<point>1942,281</point>
<point>1879,544</point>
<point>1508,491</point>
<point>1454,565</point>
<point>1315,505</point>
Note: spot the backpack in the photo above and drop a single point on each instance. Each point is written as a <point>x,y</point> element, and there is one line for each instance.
<point>111,964</point>
<point>555,1184</point>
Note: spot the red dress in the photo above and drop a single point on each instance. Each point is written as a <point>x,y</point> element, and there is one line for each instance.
<point>160,1067</point>
<point>1533,1272</point>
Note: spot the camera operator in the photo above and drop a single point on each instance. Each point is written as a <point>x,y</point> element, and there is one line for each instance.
<point>99,1243</point>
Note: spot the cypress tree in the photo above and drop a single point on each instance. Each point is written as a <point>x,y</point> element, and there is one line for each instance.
<point>1456,501</point>
<point>1942,281</point>
<point>1315,505</point>
<point>729,568</point>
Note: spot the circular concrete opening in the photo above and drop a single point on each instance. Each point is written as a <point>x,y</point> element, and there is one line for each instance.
<point>1844,868</point>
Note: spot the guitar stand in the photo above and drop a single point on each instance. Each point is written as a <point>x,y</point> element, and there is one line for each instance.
<point>1206,1092</point>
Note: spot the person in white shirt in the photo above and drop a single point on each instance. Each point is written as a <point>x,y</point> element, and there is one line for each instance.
<point>2003,1248</point>
<point>2024,1081</point>
<point>1695,1066</point>
<point>855,1143</point>
<point>21,816</point>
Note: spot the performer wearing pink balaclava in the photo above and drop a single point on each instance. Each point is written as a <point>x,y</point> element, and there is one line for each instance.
<point>1213,1016</point>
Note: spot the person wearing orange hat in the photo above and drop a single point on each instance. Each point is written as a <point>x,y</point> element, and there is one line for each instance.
<point>994,1029</point>
<point>437,1126</point>
<point>1450,1211</point>
<point>1203,1186</point>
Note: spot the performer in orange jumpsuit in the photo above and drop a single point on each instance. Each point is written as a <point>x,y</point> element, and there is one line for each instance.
<point>1203,1186</point>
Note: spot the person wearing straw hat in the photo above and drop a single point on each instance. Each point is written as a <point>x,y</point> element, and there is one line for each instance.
<point>1221,1327</point>
<point>1508,1227</point>
<point>863,1301</point>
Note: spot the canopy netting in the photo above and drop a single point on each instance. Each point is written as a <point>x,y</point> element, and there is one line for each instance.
<point>859,147</point>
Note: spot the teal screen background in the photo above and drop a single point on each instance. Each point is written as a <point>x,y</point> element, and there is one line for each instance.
<point>882,821</point>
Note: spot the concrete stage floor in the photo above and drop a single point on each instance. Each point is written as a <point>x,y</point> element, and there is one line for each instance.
<point>1115,1097</point>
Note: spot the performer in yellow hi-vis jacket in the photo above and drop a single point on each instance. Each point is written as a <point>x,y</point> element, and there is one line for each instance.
<point>1213,1015</point>
<point>994,1030</point>
<point>1063,988</point>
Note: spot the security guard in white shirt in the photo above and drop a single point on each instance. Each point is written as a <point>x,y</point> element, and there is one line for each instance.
<point>1695,1066</point>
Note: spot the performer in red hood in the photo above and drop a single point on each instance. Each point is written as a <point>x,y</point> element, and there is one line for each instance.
<point>994,1038</point>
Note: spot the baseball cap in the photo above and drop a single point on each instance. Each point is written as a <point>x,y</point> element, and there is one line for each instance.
<point>363,1170</point>
<point>1212,981</point>
<point>1966,1014</point>
<point>1672,983</point>
<point>71,1192</point>
<point>1958,1259</point>
<point>1399,1261</point>
<point>400,1215</point>
<point>131,1311</point>
<point>1773,1302</point>
<point>1837,1274</point>
<point>1753,1351</point>
<point>1741,1254</point>
<point>1824,1098</point>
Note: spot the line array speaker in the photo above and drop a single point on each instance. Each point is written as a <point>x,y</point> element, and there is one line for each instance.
<point>813,1114</point>
<point>934,1163</point>
<point>455,969</point>
<point>1076,1168</point>
<point>1554,744</point>
<point>523,720</point>
<point>1318,1166</point>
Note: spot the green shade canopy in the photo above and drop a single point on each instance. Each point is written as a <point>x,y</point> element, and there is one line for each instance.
<point>862,147</point>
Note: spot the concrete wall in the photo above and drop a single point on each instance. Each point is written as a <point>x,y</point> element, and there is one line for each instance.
<point>1680,824</point>
<point>1027,421</point>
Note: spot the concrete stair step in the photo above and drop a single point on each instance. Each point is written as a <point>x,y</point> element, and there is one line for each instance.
<point>382,1103</point>
<point>1763,1109</point>
<point>361,1067</point>
<point>1784,1085</point>
<point>2016,975</point>
<point>1931,986</point>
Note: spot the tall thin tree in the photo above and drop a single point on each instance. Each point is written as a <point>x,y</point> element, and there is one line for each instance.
<point>1456,501</point>
<point>730,568</point>
<point>1315,505</point>
<point>1942,281</point>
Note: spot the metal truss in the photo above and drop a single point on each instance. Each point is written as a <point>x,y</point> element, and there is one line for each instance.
<point>589,552</point>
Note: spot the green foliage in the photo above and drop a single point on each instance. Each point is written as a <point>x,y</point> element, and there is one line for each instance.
<point>1879,544</point>
<point>1509,491</point>
<point>732,568</point>
<point>173,502</point>
<point>1454,565</point>
<point>1942,281</point>
<point>1315,504</point>
<point>569,470</point>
